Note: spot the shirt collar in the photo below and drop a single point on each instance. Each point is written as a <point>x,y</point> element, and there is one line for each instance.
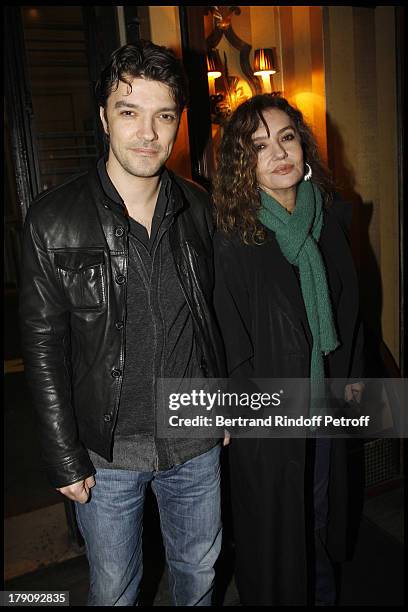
<point>112,193</point>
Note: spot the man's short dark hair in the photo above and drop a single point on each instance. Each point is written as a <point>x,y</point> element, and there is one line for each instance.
<point>146,60</point>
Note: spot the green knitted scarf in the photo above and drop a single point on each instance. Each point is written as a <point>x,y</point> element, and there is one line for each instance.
<point>297,235</point>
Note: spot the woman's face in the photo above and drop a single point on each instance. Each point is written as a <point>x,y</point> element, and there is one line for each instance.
<point>280,156</point>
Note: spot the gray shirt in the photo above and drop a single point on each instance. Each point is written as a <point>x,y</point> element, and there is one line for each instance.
<point>159,335</point>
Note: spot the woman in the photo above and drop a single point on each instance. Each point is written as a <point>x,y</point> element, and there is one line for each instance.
<point>287,302</point>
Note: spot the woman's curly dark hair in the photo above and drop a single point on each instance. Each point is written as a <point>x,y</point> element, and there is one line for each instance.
<point>235,192</point>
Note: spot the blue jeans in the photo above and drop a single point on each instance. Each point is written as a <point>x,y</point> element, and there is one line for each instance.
<point>188,497</point>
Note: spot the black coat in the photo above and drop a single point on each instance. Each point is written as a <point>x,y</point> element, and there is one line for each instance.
<point>264,324</point>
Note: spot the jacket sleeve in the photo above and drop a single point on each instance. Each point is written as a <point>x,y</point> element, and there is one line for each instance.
<point>352,325</point>
<point>45,331</point>
<point>357,370</point>
<point>232,309</point>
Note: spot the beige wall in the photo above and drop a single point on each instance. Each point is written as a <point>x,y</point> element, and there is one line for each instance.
<point>165,30</point>
<point>165,27</point>
<point>362,143</point>
<point>303,66</point>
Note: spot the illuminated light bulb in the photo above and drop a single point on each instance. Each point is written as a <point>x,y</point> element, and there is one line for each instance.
<point>264,66</point>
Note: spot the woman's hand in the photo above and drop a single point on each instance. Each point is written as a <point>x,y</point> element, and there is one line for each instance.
<point>354,392</point>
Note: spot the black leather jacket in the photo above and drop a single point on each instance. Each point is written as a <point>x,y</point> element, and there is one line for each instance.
<point>73,312</point>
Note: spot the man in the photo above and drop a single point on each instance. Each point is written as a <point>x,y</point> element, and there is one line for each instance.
<point>116,292</point>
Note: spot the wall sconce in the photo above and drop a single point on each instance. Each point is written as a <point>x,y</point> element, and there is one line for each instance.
<point>213,69</point>
<point>264,66</point>
<point>232,89</point>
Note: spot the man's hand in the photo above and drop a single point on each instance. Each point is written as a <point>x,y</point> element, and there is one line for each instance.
<point>354,392</point>
<point>78,491</point>
<point>227,438</point>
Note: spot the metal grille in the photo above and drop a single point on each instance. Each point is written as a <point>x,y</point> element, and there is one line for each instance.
<point>382,461</point>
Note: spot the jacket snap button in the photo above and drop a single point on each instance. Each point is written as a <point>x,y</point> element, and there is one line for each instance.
<point>119,231</point>
<point>107,418</point>
<point>120,279</point>
<point>119,324</point>
<point>116,373</point>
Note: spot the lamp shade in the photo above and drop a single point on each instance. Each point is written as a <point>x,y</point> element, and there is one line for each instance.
<point>213,64</point>
<point>264,62</point>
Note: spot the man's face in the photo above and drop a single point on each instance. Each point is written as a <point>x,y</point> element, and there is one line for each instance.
<point>141,123</point>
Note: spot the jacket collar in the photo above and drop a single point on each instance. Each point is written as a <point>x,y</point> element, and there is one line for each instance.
<point>100,179</point>
<point>106,205</point>
<point>177,199</point>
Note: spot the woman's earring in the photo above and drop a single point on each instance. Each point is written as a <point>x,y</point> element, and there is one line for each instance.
<point>308,174</point>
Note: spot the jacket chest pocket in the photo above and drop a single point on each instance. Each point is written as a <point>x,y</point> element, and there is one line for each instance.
<point>82,277</point>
